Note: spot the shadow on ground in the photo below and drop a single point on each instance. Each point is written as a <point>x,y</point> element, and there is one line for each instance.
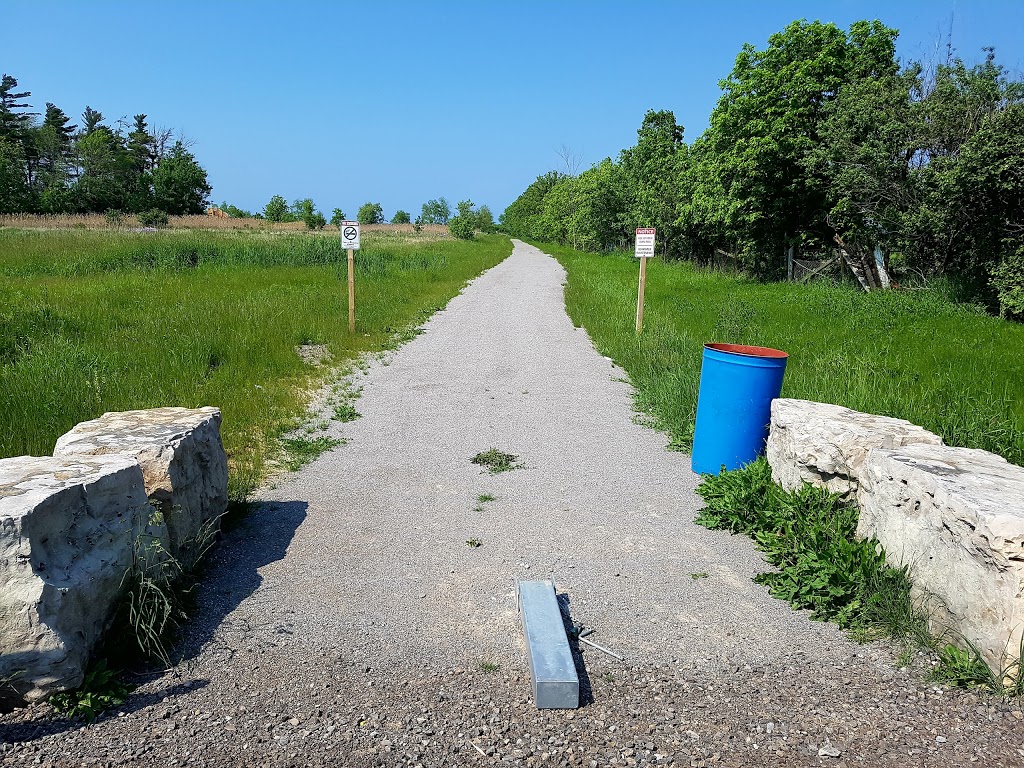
<point>231,575</point>
<point>586,690</point>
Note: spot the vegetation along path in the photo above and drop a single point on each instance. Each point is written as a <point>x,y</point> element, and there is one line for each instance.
<point>364,614</point>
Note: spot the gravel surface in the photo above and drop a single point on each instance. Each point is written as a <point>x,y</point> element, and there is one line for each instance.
<point>347,621</point>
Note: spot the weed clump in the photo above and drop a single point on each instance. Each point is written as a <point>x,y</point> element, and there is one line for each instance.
<point>809,535</point>
<point>495,461</point>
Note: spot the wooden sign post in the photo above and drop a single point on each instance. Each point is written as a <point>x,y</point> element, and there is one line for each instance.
<point>350,242</point>
<point>644,251</point>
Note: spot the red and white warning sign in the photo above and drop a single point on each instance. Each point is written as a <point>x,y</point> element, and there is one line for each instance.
<point>645,242</point>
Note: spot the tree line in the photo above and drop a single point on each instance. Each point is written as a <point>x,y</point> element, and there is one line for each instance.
<point>463,224</point>
<point>822,142</point>
<point>50,165</point>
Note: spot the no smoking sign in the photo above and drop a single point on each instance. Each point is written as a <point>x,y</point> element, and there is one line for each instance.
<point>350,235</point>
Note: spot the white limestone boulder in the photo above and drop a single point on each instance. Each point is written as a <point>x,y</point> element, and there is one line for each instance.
<point>826,445</point>
<point>955,516</point>
<point>182,460</point>
<point>67,527</point>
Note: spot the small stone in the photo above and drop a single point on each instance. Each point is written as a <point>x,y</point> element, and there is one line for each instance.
<point>940,739</point>
<point>827,750</point>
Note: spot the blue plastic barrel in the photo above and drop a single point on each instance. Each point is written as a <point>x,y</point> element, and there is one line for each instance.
<point>737,386</point>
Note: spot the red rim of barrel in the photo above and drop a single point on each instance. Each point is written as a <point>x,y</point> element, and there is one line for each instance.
<point>741,349</point>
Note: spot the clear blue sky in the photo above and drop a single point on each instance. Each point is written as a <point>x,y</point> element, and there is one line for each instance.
<point>398,102</point>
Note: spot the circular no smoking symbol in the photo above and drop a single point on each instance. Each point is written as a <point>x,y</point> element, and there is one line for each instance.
<point>350,233</point>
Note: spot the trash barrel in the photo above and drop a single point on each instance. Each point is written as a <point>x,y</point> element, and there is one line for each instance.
<point>737,386</point>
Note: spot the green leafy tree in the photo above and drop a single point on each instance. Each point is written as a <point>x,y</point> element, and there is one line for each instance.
<point>765,125</point>
<point>276,209</point>
<point>464,223</point>
<point>235,212</point>
<point>304,210</point>
<point>521,218</point>
<point>337,216</point>
<point>401,217</point>
<point>651,174</point>
<point>485,220</point>
<point>179,183</point>
<point>436,211</point>
<point>370,213</point>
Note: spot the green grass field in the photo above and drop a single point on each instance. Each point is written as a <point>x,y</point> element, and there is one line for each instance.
<point>910,354</point>
<point>105,321</point>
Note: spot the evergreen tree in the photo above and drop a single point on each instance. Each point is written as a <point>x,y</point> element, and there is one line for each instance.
<point>179,183</point>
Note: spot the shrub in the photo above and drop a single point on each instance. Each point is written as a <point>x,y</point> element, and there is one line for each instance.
<point>1008,280</point>
<point>154,218</point>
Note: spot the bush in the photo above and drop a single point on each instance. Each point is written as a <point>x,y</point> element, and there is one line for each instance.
<point>314,220</point>
<point>114,218</point>
<point>1008,280</point>
<point>401,217</point>
<point>370,213</point>
<point>154,218</point>
<point>464,223</point>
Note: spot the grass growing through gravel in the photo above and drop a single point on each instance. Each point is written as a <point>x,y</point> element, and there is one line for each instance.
<point>808,535</point>
<point>94,321</point>
<point>495,461</point>
<point>914,355</point>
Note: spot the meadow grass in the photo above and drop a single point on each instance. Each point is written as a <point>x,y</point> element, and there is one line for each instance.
<point>915,355</point>
<point>95,321</point>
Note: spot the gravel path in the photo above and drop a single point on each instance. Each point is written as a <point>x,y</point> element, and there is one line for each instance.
<point>347,621</point>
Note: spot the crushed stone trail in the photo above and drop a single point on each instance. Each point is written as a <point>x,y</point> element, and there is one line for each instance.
<point>347,622</point>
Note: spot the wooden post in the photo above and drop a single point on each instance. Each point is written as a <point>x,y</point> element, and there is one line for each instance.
<point>351,293</point>
<point>640,295</point>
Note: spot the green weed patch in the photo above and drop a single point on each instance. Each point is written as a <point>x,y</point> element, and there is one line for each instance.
<point>495,461</point>
<point>808,535</point>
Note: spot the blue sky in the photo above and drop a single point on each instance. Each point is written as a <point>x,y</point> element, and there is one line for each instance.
<point>399,102</point>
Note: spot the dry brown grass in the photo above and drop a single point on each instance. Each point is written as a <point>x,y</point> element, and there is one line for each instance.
<point>100,221</point>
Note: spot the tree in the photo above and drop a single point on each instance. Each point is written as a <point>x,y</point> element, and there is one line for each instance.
<point>276,209</point>
<point>234,212</point>
<point>179,183</point>
<point>651,173</point>
<point>766,123</point>
<point>304,210</point>
<point>15,195</point>
<point>463,224</point>
<point>401,217</point>
<point>337,216</point>
<point>521,217</point>
<point>485,220</point>
<point>15,120</point>
<point>436,211</point>
<point>370,213</point>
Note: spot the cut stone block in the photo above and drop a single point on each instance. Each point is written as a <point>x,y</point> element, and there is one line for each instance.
<point>955,516</point>
<point>182,460</point>
<point>67,527</point>
<point>826,445</point>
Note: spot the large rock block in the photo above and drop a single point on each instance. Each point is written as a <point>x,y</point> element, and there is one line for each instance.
<point>182,460</point>
<point>67,529</point>
<point>955,516</point>
<point>826,445</point>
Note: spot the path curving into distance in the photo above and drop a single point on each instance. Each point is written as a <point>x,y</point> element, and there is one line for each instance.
<point>347,621</point>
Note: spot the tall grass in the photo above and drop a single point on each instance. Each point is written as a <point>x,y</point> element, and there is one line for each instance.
<point>105,321</point>
<point>914,355</point>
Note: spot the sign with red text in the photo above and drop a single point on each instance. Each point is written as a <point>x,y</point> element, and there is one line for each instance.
<point>645,242</point>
